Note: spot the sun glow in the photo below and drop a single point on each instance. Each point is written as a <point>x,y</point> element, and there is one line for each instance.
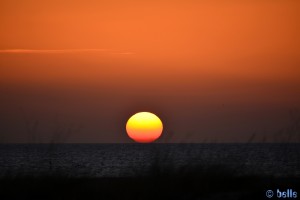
<point>144,127</point>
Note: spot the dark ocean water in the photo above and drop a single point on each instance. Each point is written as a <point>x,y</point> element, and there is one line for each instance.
<point>125,160</point>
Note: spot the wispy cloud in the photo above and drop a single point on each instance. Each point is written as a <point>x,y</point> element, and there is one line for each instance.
<point>121,52</point>
<point>57,51</point>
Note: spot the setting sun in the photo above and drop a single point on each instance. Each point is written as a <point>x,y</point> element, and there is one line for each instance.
<point>144,127</point>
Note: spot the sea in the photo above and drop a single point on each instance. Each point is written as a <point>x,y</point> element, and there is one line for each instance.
<point>130,160</point>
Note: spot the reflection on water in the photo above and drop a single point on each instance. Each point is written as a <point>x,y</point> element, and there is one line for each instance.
<point>115,160</point>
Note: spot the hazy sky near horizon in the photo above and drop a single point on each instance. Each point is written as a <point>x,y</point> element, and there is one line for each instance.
<point>212,70</point>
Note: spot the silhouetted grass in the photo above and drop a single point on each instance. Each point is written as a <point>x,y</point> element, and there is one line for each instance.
<point>164,179</point>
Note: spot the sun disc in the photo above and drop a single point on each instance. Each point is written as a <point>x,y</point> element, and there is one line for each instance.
<point>144,127</point>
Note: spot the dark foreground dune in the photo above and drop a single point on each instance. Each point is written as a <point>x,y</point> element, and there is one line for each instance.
<point>214,184</point>
<point>159,182</point>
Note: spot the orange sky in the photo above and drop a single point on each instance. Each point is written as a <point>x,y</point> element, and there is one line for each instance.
<point>97,62</point>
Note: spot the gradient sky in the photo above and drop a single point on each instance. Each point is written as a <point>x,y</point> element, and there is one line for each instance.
<point>212,70</point>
